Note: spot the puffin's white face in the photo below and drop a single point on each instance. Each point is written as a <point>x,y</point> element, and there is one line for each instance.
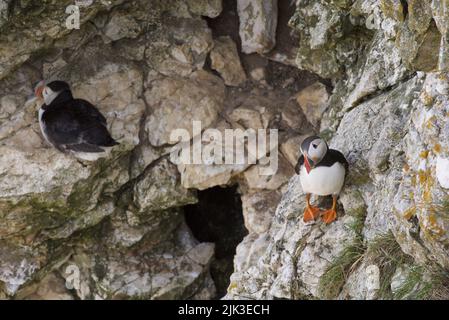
<point>315,150</point>
<point>49,95</point>
<point>44,92</point>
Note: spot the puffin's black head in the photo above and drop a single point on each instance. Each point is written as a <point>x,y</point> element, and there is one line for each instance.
<point>58,86</point>
<point>313,149</point>
<point>49,92</point>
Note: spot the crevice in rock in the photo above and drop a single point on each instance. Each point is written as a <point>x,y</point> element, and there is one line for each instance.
<point>380,92</point>
<point>218,218</point>
<point>404,8</point>
<point>226,24</point>
<point>278,75</point>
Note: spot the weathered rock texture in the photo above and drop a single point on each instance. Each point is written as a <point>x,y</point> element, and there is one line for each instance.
<point>258,21</point>
<point>115,228</point>
<point>388,113</point>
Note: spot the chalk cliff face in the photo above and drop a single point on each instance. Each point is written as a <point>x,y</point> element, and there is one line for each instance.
<point>370,75</point>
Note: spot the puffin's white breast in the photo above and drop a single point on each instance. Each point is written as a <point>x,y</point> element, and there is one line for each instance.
<point>323,181</point>
<point>42,124</point>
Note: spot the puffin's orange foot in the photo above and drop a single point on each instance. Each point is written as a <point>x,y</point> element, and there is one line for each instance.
<point>329,216</point>
<point>311,213</point>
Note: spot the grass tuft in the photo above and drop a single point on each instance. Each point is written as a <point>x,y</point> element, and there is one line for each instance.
<point>385,252</point>
<point>335,276</point>
<point>423,283</point>
<point>337,273</point>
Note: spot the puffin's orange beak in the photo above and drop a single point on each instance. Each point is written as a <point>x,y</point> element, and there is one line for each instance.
<point>38,90</point>
<point>306,163</point>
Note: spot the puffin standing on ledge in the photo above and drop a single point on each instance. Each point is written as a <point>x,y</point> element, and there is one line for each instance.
<point>71,125</point>
<point>322,172</point>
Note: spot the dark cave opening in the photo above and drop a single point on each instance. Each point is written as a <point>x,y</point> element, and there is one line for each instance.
<point>218,218</point>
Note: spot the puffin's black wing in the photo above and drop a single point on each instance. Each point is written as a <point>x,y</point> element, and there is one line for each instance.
<point>97,134</point>
<point>333,156</point>
<point>299,164</point>
<point>88,109</point>
<point>62,126</point>
<point>78,126</point>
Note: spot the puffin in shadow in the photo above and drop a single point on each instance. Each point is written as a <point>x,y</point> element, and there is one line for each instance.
<point>72,125</point>
<point>322,172</point>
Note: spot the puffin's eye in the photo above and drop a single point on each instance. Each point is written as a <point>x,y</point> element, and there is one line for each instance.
<point>314,145</point>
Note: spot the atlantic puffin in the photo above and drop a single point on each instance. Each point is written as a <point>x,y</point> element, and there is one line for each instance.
<point>71,125</point>
<point>322,172</point>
